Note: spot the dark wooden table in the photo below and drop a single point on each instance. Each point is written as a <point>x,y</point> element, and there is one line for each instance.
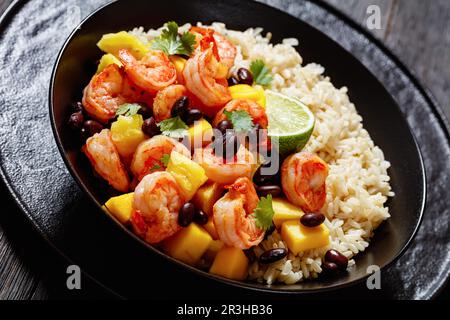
<point>417,31</point>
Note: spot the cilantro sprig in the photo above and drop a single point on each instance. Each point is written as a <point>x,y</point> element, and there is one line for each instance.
<point>165,159</point>
<point>264,213</point>
<point>241,120</point>
<point>261,74</point>
<point>155,168</point>
<point>128,109</point>
<point>172,43</point>
<point>173,127</point>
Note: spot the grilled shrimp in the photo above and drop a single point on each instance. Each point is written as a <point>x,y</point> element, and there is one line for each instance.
<point>257,112</point>
<point>105,160</point>
<point>303,177</point>
<point>149,154</point>
<point>157,201</point>
<point>108,90</point>
<point>223,49</point>
<point>165,99</point>
<point>201,76</point>
<point>152,73</point>
<point>221,171</point>
<point>233,216</point>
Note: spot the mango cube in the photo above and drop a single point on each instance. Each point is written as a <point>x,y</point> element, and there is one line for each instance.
<point>207,196</point>
<point>200,134</point>
<point>106,60</point>
<point>211,229</point>
<point>121,207</point>
<point>300,238</point>
<point>127,134</point>
<point>284,211</point>
<point>230,263</point>
<point>244,91</point>
<point>213,249</point>
<point>179,64</point>
<point>189,244</point>
<point>113,42</point>
<point>189,175</point>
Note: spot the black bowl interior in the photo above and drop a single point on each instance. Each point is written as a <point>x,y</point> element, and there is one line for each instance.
<point>382,117</point>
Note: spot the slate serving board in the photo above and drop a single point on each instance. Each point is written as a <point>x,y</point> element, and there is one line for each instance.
<point>31,35</point>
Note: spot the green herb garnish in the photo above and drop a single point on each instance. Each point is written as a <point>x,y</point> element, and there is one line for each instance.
<point>128,109</point>
<point>261,74</point>
<point>264,213</point>
<point>155,167</point>
<point>165,159</point>
<point>171,43</point>
<point>173,127</point>
<point>241,120</point>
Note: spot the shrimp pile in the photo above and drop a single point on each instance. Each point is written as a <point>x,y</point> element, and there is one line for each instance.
<point>180,94</point>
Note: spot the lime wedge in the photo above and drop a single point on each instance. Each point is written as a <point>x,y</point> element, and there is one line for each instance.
<point>291,123</point>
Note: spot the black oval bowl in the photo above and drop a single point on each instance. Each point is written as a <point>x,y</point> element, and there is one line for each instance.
<point>382,117</point>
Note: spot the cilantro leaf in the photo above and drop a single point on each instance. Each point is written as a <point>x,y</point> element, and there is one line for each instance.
<point>128,109</point>
<point>155,167</point>
<point>173,127</point>
<point>171,43</point>
<point>165,159</point>
<point>264,213</point>
<point>241,120</point>
<point>261,73</point>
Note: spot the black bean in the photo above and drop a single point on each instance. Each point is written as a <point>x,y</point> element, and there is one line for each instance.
<point>224,125</point>
<point>186,214</point>
<point>76,120</point>
<point>273,255</point>
<point>150,127</point>
<point>245,76</point>
<point>232,81</point>
<point>269,231</point>
<point>330,268</point>
<point>264,179</point>
<point>180,107</point>
<point>250,254</point>
<point>145,111</point>
<point>91,127</point>
<point>337,258</point>
<point>192,116</point>
<point>312,219</point>
<point>264,191</point>
<point>227,145</point>
<point>201,217</point>
<point>231,145</point>
<point>77,107</point>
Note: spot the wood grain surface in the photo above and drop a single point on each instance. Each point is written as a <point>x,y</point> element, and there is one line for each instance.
<point>417,31</point>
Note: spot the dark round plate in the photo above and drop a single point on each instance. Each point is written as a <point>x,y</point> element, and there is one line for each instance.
<point>32,33</point>
<point>382,117</point>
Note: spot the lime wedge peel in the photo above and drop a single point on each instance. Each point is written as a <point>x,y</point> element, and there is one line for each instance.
<point>291,123</point>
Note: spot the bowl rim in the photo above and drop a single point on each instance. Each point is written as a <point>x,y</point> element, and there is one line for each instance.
<point>247,284</point>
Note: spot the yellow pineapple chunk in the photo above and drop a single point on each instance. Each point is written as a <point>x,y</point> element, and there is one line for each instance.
<point>211,228</point>
<point>121,207</point>
<point>284,211</point>
<point>189,175</point>
<point>179,64</point>
<point>189,244</point>
<point>200,134</point>
<point>106,60</point>
<point>127,134</point>
<point>113,42</point>
<point>230,263</point>
<point>213,249</point>
<point>300,238</point>
<point>244,91</point>
<point>207,196</point>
